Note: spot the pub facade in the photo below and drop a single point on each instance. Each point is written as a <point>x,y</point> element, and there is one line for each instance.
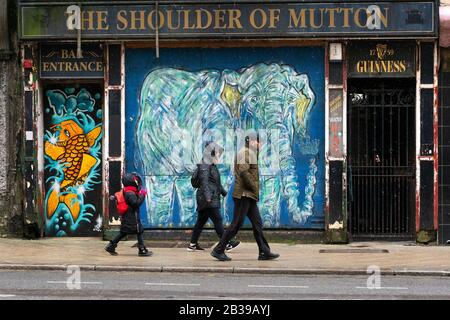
<point>344,95</point>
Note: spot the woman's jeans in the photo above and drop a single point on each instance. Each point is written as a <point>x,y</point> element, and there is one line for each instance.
<point>202,218</point>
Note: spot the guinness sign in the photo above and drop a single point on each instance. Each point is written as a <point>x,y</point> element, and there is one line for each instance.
<point>382,59</point>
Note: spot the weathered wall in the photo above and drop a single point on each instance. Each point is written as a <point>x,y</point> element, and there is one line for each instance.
<point>10,124</point>
<point>11,220</point>
<point>4,94</point>
<point>3,165</point>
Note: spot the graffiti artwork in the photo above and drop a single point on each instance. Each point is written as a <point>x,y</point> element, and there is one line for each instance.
<point>72,153</point>
<point>180,107</point>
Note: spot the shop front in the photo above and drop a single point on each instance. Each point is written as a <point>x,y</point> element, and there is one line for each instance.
<point>337,92</point>
<point>381,162</point>
<point>70,126</point>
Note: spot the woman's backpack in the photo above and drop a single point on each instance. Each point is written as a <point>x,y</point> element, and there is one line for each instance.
<point>122,206</point>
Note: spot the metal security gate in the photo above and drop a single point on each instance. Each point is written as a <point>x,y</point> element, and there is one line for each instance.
<point>381,162</point>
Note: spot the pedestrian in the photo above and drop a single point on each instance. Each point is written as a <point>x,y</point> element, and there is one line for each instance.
<point>246,196</point>
<point>134,196</point>
<point>208,196</point>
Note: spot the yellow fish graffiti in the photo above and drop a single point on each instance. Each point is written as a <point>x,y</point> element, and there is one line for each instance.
<point>71,150</point>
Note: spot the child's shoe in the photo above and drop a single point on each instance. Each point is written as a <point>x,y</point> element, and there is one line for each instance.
<point>111,248</point>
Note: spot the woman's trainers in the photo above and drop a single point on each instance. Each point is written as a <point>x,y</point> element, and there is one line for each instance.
<point>231,245</point>
<point>194,247</point>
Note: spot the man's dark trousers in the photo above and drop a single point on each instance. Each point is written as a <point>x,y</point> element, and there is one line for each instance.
<point>244,207</point>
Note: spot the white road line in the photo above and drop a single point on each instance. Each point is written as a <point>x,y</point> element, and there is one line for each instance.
<point>7,295</point>
<point>383,288</point>
<point>172,284</point>
<point>64,282</point>
<point>270,286</point>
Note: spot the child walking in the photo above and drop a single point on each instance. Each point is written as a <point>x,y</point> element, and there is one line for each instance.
<point>131,221</point>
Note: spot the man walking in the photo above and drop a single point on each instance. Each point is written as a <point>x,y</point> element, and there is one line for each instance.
<point>246,196</point>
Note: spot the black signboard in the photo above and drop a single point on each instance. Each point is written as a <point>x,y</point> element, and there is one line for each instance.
<point>387,59</point>
<point>61,61</point>
<point>217,20</point>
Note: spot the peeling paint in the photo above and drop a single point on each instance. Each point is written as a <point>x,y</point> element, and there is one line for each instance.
<point>4,81</point>
<point>436,137</point>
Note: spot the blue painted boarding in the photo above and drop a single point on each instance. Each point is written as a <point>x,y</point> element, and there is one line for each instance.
<point>188,96</point>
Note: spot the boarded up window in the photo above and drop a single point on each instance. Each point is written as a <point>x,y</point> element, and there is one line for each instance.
<point>4,38</point>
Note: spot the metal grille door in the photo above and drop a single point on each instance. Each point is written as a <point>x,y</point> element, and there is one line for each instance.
<point>381,162</point>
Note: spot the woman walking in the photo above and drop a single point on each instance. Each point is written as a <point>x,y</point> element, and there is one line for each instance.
<point>209,195</point>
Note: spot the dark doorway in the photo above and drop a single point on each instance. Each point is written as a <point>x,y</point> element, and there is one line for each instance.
<point>381,158</point>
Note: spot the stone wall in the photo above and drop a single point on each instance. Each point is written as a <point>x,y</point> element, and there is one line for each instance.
<point>4,68</point>
<point>3,151</point>
<point>10,199</point>
<point>11,118</point>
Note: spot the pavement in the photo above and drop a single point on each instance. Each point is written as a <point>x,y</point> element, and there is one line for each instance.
<point>393,258</point>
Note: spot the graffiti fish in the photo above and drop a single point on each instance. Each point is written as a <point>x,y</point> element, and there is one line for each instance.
<point>71,150</point>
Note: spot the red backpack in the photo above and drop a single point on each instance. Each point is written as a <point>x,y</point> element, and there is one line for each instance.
<point>122,206</point>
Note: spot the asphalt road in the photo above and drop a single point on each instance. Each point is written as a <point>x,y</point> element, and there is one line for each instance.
<point>140,285</point>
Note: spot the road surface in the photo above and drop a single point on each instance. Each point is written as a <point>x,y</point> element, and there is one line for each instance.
<point>142,285</point>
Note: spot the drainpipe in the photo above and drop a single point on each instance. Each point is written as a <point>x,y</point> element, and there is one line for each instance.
<point>79,55</point>
<point>444,26</point>
<point>157,30</point>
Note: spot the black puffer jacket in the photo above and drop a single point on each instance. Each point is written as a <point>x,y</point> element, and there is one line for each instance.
<point>210,187</point>
<point>131,220</point>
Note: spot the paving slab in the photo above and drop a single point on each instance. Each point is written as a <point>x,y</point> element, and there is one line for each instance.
<point>398,258</point>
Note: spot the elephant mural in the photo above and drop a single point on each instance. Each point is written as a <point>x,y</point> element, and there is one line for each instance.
<point>277,99</point>
<point>179,108</point>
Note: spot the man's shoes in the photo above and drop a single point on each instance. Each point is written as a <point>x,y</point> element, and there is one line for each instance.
<point>111,248</point>
<point>194,247</point>
<point>220,256</point>
<point>268,256</point>
<point>143,252</point>
<point>231,245</point>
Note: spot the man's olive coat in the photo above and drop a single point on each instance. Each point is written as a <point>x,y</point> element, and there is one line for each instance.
<point>246,183</point>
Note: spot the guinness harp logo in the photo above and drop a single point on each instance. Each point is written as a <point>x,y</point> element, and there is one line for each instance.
<point>381,51</point>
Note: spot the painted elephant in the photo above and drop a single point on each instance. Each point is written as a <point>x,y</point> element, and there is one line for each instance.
<point>178,111</point>
<point>179,107</point>
<point>279,100</point>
